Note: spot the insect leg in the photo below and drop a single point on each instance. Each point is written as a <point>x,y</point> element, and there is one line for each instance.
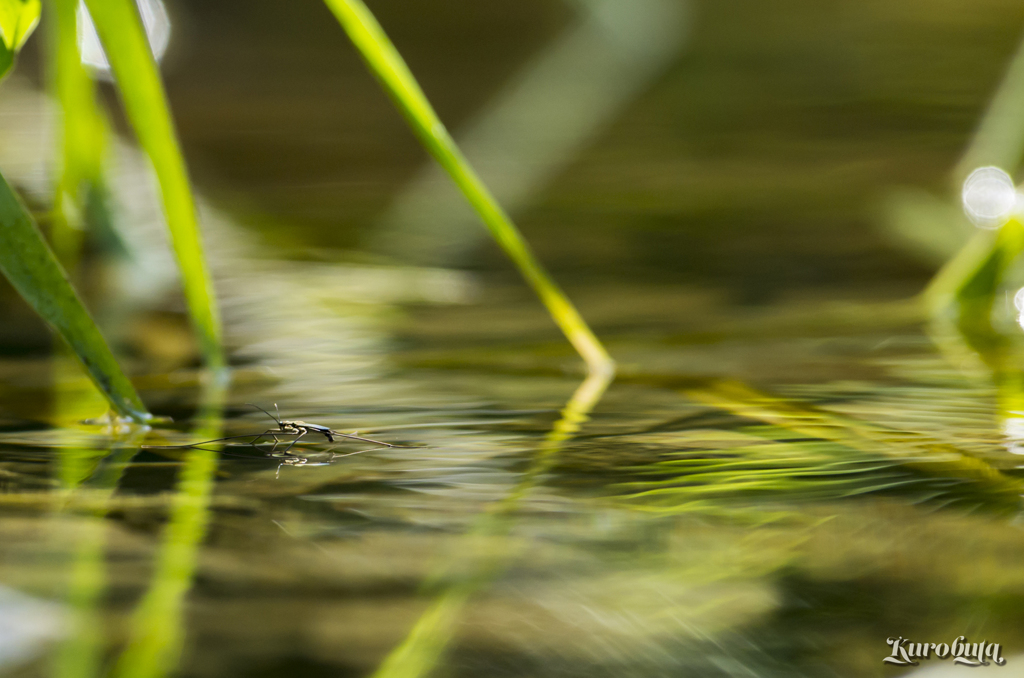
<point>302,433</point>
<point>348,454</point>
<point>205,442</point>
<point>273,433</point>
<point>365,440</point>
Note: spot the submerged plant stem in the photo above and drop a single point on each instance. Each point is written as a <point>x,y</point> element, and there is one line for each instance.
<point>391,70</point>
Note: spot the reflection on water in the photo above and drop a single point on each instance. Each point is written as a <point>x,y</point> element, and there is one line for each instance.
<point>156,631</point>
<point>484,552</point>
<point>846,480</point>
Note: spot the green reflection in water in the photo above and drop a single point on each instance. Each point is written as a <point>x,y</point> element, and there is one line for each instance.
<point>154,646</point>
<point>81,654</point>
<point>425,644</point>
<point>986,355</point>
<point>912,449</point>
<point>88,477</point>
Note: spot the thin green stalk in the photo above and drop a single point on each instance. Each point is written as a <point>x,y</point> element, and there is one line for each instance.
<point>124,40</point>
<point>393,73</point>
<point>30,265</point>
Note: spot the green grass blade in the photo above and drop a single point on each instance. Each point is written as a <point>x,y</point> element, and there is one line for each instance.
<point>124,40</point>
<point>390,69</point>
<point>30,265</point>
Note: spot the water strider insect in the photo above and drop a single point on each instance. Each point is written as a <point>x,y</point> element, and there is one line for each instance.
<point>299,429</point>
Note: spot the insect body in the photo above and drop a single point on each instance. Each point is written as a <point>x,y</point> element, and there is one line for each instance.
<point>302,428</point>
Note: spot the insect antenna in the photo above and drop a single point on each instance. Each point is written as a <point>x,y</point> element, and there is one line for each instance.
<point>277,418</point>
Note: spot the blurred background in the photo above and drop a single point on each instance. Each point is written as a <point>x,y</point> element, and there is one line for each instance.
<point>750,153</point>
<point>749,150</point>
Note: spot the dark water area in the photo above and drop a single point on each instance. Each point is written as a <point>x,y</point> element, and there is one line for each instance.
<point>792,465</point>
